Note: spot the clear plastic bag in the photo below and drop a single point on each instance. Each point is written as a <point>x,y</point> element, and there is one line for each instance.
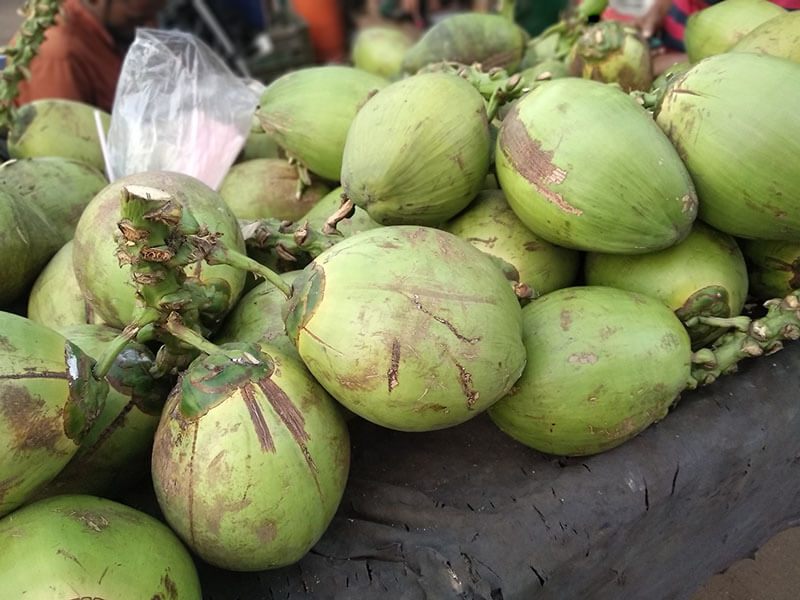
<point>178,107</point>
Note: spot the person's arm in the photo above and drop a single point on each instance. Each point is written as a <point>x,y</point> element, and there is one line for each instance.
<point>651,21</point>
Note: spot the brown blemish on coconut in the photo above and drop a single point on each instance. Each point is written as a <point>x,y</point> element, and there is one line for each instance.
<point>7,484</point>
<point>566,320</point>
<point>90,519</point>
<point>267,532</point>
<point>606,332</point>
<point>391,375</point>
<point>292,418</point>
<point>169,587</point>
<point>257,418</point>
<point>31,426</point>
<point>531,162</point>
<point>70,556</point>
<point>443,321</point>
<point>6,345</point>
<point>583,358</point>
<point>465,380</point>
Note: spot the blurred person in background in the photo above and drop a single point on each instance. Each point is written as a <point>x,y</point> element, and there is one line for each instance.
<point>666,21</point>
<point>81,56</point>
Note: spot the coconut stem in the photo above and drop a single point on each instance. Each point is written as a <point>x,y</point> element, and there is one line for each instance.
<point>746,338</point>
<point>225,256</point>
<point>175,326</point>
<point>117,345</point>
<point>507,9</point>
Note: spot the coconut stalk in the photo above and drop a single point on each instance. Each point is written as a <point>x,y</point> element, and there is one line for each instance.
<point>747,338</point>
<point>158,239</point>
<point>495,85</point>
<point>292,241</point>
<point>557,39</point>
<point>39,15</point>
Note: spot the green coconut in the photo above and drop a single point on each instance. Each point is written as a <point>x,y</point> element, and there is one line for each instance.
<point>115,454</point>
<point>258,144</point>
<point>716,28</point>
<point>309,111</point>
<point>108,287</point>
<point>584,166</point>
<point>740,159</point>
<point>418,151</point>
<point>779,36</point>
<point>489,39</point>
<point>250,458</point>
<point>490,225</point>
<point>406,347</point>
<point>88,547</point>
<point>264,188</point>
<point>380,50</point>
<point>56,299</point>
<point>603,364</point>
<point>58,187</point>
<point>612,52</point>
<point>58,127</point>
<point>773,267</point>
<point>48,403</point>
<point>703,275</point>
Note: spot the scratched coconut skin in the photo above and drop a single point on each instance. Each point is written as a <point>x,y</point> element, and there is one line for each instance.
<point>584,166</point>
<point>603,364</point>
<point>45,411</point>
<point>250,460</point>
<point>703,114</point>
<point>410,327</point>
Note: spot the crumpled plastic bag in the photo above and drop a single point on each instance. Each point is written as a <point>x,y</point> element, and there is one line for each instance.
<point>178,107</point>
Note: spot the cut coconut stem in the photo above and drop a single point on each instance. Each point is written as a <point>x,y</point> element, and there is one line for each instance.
<point>747,338</point>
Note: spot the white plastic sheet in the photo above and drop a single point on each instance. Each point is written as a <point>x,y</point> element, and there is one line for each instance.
<point>178,107</point>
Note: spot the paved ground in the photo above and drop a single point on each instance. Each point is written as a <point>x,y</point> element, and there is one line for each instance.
<point>773,574</point>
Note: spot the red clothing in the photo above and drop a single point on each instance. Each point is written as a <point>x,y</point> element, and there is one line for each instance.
<point>674,24</point>
<point>77,61</point>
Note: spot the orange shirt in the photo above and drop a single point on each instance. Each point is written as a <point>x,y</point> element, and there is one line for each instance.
<point>77,61</point>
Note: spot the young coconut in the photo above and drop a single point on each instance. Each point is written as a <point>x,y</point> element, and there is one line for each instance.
<point>612,52</point>
<point>705,274</point>
<point>740,159</point>
<point>640,199</point>
<point>409,348</point>
<point>106,282</point>
<point>418,151</point>
<point>115,454</point>
<point>779,36</point>
<point>56,300</point>
<point>773,267</point>
<point>602,365</point>
<point>719,26</point>
<point>89,547</point>
<point>250,458</point>
<point>58,127</point>
<point>291,112</point>
<point>269,187</point>
<point>48,403</point>
<point>490,225</point>
<point>492,40</point>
